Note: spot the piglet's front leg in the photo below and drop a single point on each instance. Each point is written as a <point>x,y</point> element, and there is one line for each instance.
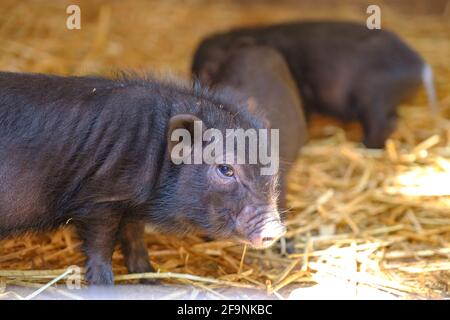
<point>99,233</point>
<point>378,117</point>
<point>134,248</point>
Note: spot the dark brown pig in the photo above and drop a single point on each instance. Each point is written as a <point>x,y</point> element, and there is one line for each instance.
<point>97,153</point>
<point>261,74</point>
<point>342,69</point>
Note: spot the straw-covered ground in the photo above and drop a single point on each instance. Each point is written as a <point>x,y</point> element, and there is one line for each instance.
<point>363,223</point>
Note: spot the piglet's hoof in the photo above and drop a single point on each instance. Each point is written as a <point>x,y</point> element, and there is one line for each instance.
<point>100,275</point>
<point>149,281</point>
<point>146,267</point>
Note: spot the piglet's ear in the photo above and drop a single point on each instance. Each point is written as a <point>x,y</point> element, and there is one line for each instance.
<point>181,121</point>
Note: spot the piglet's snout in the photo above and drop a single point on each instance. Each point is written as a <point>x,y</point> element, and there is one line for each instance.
<point>270,233</point>
<point>260,226</point>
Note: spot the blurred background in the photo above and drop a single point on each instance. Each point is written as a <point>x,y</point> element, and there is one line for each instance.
<point>366,220</point>
<point>162,35</point>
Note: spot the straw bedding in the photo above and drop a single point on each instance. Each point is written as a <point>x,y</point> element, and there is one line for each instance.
<point>361,219</point>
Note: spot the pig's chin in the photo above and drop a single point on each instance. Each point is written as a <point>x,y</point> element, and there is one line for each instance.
<point>257,244</point>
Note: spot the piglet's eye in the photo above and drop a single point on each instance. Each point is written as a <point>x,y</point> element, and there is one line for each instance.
<point>225,170</point>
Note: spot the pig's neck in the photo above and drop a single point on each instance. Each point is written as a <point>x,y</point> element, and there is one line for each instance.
<point>155,166</point>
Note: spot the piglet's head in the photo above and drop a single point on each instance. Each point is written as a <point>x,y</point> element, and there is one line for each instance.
<point>224,199</point>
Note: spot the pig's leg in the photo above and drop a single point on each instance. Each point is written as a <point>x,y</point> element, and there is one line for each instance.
<point>99,232</point>
<point>134,248</point>
<point>378,120</point>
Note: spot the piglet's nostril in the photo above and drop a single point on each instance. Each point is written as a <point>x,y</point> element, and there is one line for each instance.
<point>268,239</point>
